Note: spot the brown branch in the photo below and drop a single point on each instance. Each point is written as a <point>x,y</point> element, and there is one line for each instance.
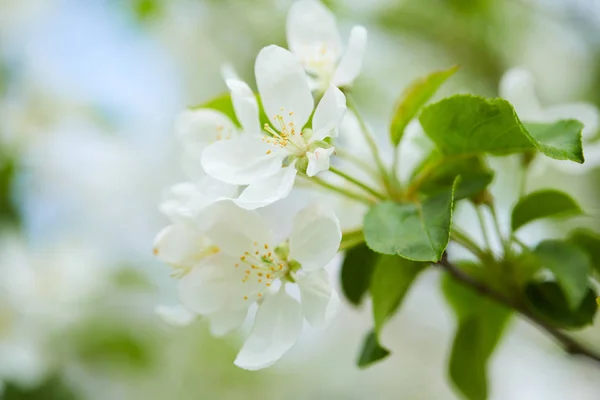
<point>569,344</point>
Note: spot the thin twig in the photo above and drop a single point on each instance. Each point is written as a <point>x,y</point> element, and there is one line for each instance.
<point>569,344</point>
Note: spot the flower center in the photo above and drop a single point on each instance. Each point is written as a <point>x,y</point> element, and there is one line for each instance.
<point>286,135</point>
<point>222,133</point>
<point>262,267</point>
<point>319,60</point>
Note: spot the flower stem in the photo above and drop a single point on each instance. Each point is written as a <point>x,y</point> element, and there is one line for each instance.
<point>344,192</point>
<point>465,241</point>
<point>368,135</point>
<point>483,225</point>
<point>357,183</point>
<point>506,244</point>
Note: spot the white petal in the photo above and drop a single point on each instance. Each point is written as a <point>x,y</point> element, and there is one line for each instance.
<point>245,105</point>
<point>191,160</point>
<point>318,160</point>
<point>329,114</point>
<point>310,23</point>
<point>283,87</point>
<point>315,237</point>
<point>269,190</point>
<point>312,35</point>
<point>180,245</point>
<point>227,320</point>
<point>351,62</point>
<point>237,230</point>
<point>276,329</point>
<point>228,72</point>
<point>584,112</point>
<point>518,87</point>
<point>320,303</point>
<point>176,315</point>
<point>242,160</point>
<point>204,126</point>
<point>181,202</point>
<point>213,285</point>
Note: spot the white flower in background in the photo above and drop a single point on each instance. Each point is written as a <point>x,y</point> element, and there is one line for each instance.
<point>518,87</point>
<point>267,159</point>
<point>41,295</point>
<point>312,35</point>
<point>238,263</point>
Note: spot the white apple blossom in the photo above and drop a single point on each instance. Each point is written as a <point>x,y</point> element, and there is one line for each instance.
<point>237,263</point>
<point>267,160</point>
<point>42,294</point>
<point>517,86</point>
<point>313,36</point>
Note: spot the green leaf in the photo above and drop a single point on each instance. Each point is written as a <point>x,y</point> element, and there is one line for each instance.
<point>8,209</point>
<point>588,241</point>
<point>439,172</point>
<point>471,125</point>
<point>481,323</point>
<point>543,204</point>
<point>560,140</point>
<point>413,98</point>
<point>418,232</point>
<point>223,104</point>
<point>391,280</point>
<point>570,266</point>
<point>372,351</point>
<point>547,300</point>
<point>356,272</point>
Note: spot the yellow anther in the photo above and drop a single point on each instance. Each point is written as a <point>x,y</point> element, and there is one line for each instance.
<point>268,151</point>
<point>256,252</point>
<point>247,271</point>
<point>245,297</point>
<point>259,294</point>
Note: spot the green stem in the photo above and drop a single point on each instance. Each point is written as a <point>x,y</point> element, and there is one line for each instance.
<point>465,241</point>
<point>483,226</point>
<point>358,162</point>
<point>342,191</point>
<point>505,242</point>
<point>519,242</point>
<point>357,183</point>
<point>369,139</point>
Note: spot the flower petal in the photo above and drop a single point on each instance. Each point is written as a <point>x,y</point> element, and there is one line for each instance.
<point>586,113</point>
<point>242,160</point>
<point>203,126</point>
<point>245,105</point>
<point>351,62</point>
<point>237,229</point>
<point>320,303</point>
<point>518,87</point>
<point>312,33</point>
<point>212,286</point>
<point>318,160</point>
<point>276,329</point>
<point>184,201</point>
<point>179,245</point>
<point>269,190</point>
<point>176,315</point>
<point>315,237</point>
<point>227,320</point>
<point>283,87</point>
<point>329,114</point>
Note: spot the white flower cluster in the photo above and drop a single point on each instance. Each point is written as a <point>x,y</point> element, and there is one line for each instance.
<point>222,251</point>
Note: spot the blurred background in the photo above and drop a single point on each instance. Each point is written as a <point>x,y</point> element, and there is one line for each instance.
<point>89,91</point>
